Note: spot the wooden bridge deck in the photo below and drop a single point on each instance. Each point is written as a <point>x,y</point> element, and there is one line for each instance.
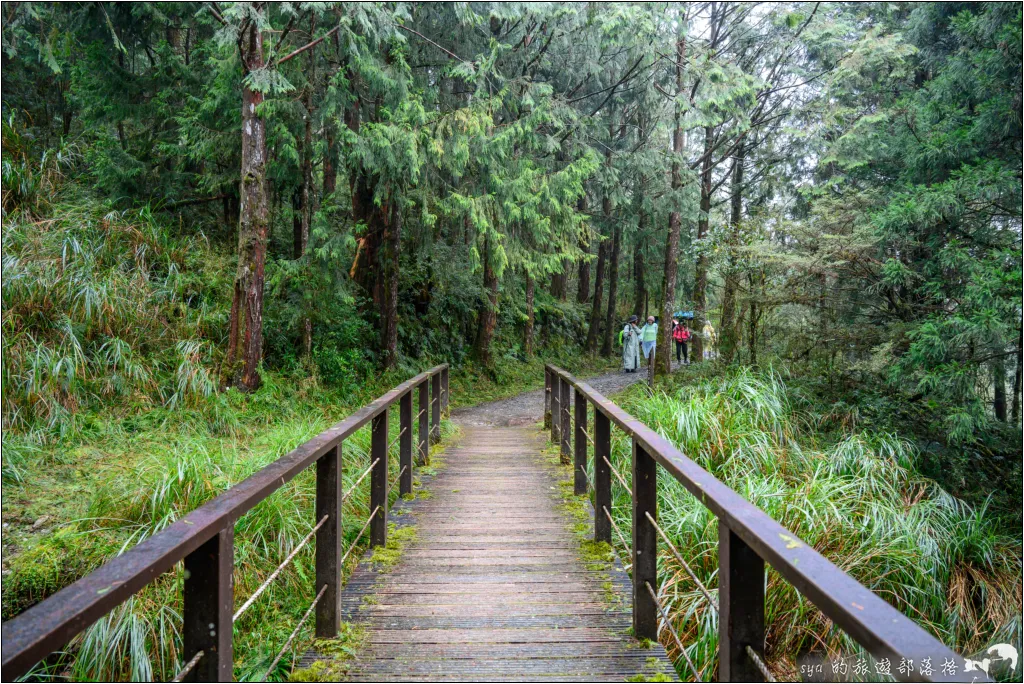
<point>493,587</point>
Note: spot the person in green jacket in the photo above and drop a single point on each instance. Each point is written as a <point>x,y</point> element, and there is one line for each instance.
<point>649,336</point>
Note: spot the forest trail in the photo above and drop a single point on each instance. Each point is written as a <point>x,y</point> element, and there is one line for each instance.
<point>528,408</point>
<point>492,583</point>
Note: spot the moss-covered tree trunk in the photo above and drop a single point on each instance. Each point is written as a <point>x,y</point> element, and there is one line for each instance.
<point>583,270</point>
<point>245,340</point>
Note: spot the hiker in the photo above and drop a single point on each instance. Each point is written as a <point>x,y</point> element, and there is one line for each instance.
<point>649,337</point>
<point>629,338</point>
<point>681,335</point>
<point>710,341</point>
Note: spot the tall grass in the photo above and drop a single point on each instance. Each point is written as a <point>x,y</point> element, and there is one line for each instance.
<point>857,499</point>
<point>141,639</point>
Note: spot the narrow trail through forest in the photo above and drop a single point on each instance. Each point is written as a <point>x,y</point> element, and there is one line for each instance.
<point>528,407</point>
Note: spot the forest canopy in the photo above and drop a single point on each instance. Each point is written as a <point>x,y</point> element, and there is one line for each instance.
<point>830,183</point>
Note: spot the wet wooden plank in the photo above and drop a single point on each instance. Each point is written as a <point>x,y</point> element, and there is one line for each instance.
<point>492,587</point>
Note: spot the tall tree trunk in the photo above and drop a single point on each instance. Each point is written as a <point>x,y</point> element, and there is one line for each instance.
<point>307,193</point>
<point>595,304</point>
<point>727,331</point>
<point>613,287</point>
<point>1015,409</point>
<point>330,162</point>
<point>700,271</point>
<point>245,343</point>
<point>639,285</point>
<point>297,243</point>
<point>668,290</point>
<point>488,313</point>
<point>528,332</point>
<point>999,389</point>
<point>392,243</point>
<point>752,322</point>
<point>583,279</point>
<point>559,282</point>
<point>368,218</point>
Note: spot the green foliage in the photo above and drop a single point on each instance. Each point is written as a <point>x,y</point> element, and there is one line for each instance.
<point>856,496</point>
<point>101,305</point>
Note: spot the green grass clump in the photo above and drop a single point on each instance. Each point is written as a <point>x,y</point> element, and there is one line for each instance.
<point>856,497</point>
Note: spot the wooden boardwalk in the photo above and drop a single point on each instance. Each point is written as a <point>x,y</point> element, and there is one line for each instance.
<point>493,587</point>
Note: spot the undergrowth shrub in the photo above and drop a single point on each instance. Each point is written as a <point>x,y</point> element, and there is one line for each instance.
<point>101,306</point>
<point>856,497</point>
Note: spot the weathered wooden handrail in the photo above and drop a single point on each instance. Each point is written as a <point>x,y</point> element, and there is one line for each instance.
<point>747,538</point>
<point>204,540</point>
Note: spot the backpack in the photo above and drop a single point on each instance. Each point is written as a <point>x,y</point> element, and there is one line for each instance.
<point>681,334</point>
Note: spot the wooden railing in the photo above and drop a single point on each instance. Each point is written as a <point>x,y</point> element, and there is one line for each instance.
<point>204,541</point>
<point>747,538</point>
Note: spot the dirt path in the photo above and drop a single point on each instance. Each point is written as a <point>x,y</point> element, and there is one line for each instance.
<point>527,408</point>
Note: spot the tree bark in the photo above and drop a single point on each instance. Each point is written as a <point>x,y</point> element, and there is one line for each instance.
<point>999,389</point>
<point>727,333</point>
<point>488,313</point>
<point>613,287</point>
<point>668,291</point>
<point>700,271</point>
<point>368,218</point>
<point>528,332</point>
<point>559,281</point>
<point>330,163</point>
<point>245,343</point>
<point>639,285</point>
<point>392,243</point>
<point>583,279</point>
<point>307,194</point>
<point>752,322</point>
<point>595,305</point>
<point>1015,409</point>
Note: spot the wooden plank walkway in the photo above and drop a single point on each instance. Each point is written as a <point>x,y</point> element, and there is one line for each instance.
<point>493,586</point>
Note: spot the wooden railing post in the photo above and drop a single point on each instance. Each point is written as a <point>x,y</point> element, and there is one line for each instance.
<point>645,550</point>
<point>547,398</point>
<point>435,408</point>
<point>328,542</point>
<point>208,599</point>
<point>741,608</point>
<point>444,391</point>
<point>602,476</point>
<point>579,481</point>
<point>556,391</point>
<point>405,443</point>
<point>565,429</point>
<point>379,479</point>
<point>424,416</point>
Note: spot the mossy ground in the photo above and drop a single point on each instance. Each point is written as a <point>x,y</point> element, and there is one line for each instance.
<point>386,557</point>
<point>338,656</point>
